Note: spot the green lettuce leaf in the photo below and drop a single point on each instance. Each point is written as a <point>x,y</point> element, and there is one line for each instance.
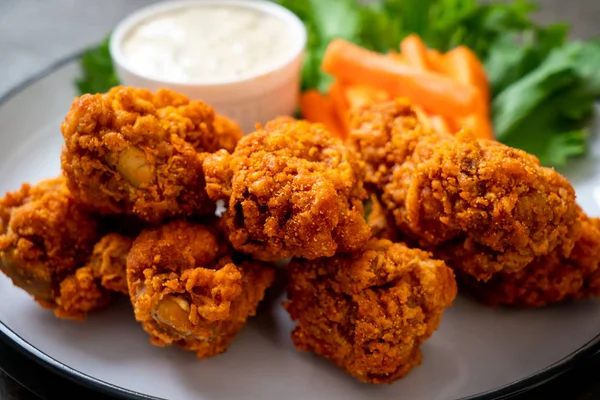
<point>98,74</point>
<point>547,111</point>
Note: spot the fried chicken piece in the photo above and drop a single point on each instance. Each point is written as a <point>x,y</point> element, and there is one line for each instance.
<point>549,279</point>
<point>586,254</point>
<point>187,290</point>
<point>380,220</point>
<point>93,286</point>
<point>131,151</point>
<point>292,189</point>
<point>487,207</point>
<point>109,262</point>
<point>44,237</point>
<point>369,311</point>
<point>277,123</point>
<point>80,294</point>
<point>49,247</point>
<point>228,132</point>
<point>383,135</point>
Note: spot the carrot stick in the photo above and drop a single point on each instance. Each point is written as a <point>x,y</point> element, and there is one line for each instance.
<point>317,108</point>
<point>422,117</point>
<point>480,125</point>
<point>340,105</point>
<point>415,51</point>
<point>434,92</point>
<point>435,60</point>
<point>401,58</point>
<point>440,124</point>
<point>463,65</point>
<point>361,95</point>
<point>436,123</point>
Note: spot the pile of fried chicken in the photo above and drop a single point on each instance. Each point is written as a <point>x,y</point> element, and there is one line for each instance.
<point>379,229</point>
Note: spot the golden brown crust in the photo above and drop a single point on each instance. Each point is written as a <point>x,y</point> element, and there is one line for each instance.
<point>49,247</point>
<point>292,190</point>
<point>45,236</point>
<point>228,132</point>
<point>93,286</point>
<point>549,279</point>
<point>586,255</point>
<point>131,151</point>
<point>108,262</point>
<point>369,311</point>
<point>81,293</point>
<point>255,279</point>
<point>380,220</point>
<point>486,207</point>
<point>380,134</point>
<point>187,290</point>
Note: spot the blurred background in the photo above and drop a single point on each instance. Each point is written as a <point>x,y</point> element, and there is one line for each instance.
<point>36,33</point>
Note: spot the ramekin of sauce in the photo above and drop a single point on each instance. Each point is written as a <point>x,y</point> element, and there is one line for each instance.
<point>243,57</point>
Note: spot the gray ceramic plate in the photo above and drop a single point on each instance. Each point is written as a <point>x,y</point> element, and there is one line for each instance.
<point>477,352</point>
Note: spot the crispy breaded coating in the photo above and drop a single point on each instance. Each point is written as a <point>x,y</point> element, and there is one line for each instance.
<point>109,262</point>
<point>279,122</point>
<point>49,247</point>
<point>369,311</point>
<point>92,286</point>
<point>380,220</point>
<point>131,151</point>
<point>487,207</point>
<point>382,135</point>
<point>187,290</point>
<point>291,189</point>
<point>586,255</point>
<point>549,279</point>
<point>44,237</point>
<point>228,132</point>
<point>255,279</point>
<point>80,293</point>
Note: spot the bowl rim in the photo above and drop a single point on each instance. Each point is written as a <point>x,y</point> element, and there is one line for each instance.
<point>124,27</point>
<point>8,336</point>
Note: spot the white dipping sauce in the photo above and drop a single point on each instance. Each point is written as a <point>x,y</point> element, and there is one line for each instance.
<point>208,44</point>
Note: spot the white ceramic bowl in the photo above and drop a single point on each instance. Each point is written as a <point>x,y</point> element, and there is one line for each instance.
<point>258,98</point>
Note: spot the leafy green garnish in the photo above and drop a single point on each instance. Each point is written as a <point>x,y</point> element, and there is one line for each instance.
<point>465,22</point>
<point>380,26</point>
<point>325,21</point>
<point>546,111</point>
<point>98,71</point>
<point>543,87</point>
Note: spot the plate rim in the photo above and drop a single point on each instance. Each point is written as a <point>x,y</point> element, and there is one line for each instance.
<point>28,350</point>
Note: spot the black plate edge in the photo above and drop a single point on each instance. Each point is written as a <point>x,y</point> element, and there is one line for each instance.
<point>25,348</point>
<point>22,346</point>
<point>544,375</point>
<point>35,378</point>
